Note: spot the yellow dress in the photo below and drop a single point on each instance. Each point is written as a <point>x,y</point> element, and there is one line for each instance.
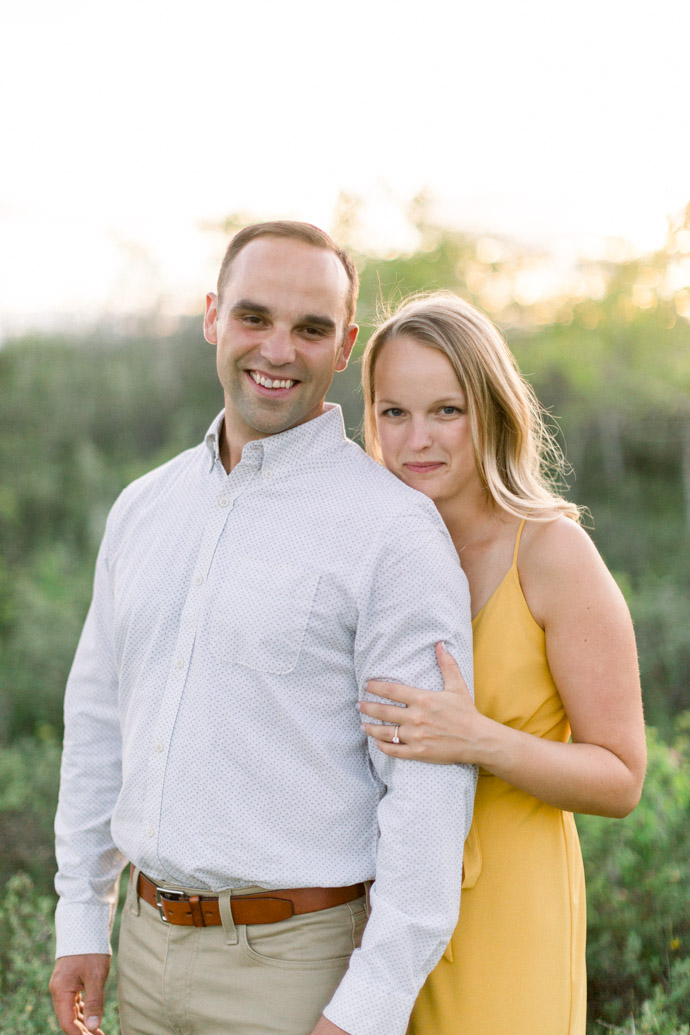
<point>516,962</point>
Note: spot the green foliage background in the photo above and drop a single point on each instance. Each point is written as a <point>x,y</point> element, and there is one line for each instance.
<point>79,418</point>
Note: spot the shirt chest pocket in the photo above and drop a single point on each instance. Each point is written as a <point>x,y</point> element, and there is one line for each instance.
<point>260,616</point>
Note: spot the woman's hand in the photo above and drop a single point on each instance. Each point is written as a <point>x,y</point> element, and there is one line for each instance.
<point>442,727</point>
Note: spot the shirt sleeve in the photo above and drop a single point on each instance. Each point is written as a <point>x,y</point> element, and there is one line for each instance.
<point>89,864</point>
<point>417,595</point>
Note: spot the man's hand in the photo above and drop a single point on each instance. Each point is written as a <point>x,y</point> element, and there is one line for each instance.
<point>77,988</point>
<point>326,1027</point>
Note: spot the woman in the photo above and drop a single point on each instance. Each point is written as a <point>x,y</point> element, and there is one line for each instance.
<point>448,412</point>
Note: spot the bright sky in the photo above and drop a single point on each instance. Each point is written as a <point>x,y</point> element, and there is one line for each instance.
<point>128,128</point>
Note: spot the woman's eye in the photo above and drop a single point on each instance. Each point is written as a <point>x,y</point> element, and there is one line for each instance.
<point>392,411</point>
<point>450,411</point>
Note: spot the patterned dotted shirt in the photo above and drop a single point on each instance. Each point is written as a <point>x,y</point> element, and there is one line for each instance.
<point>211,731</point>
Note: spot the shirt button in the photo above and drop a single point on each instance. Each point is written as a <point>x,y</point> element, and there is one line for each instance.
<point>223,501</point>
<point>179,662</point>
<point>150,831</point>
<point>198,580</point>
<point>268,473</point>
<point>158,746</point>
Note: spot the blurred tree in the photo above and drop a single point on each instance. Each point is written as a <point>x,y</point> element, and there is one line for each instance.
<point>81,418</point>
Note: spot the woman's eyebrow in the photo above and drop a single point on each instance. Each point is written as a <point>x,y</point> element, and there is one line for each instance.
<point>445,400</point>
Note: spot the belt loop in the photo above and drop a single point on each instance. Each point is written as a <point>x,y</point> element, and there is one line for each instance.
<point>134,890</point>
<point>226,918</point>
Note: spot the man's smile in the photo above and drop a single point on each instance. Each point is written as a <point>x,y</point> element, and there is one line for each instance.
<point>271,385</point>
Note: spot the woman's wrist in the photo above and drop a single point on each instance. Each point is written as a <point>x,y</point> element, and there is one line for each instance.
<point>493,745</point>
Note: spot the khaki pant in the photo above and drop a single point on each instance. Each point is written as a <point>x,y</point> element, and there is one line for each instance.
<point>255,979</point>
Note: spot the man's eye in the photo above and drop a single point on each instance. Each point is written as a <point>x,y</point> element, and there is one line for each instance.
<point>252,320</point>
<point>313,332</point>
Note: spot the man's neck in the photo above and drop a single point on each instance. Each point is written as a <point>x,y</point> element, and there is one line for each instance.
<point>232,442</point>
<point>230,447</point>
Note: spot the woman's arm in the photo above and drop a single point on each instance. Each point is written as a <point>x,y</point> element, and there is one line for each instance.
<point>591,651</point>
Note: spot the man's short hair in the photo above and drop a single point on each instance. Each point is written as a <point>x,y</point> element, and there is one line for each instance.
<point>298,232</point>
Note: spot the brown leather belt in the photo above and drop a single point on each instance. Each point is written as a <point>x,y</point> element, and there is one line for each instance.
<point>266,907</point>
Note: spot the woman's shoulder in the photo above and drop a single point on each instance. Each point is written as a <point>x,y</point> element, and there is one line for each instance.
<point>558,559</point>
<point>556,540</point>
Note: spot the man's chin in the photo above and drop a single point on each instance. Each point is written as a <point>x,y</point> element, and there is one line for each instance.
<point>274,423</point>
<point>274,417</point>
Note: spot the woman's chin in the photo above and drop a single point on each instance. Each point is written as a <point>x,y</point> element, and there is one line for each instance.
<point>422,485</point>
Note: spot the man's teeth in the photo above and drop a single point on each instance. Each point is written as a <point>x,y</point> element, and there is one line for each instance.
<point>266,382</point>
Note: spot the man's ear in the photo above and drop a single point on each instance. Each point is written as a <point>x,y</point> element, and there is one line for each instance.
<point>210,317</point>
<point>347,346</point>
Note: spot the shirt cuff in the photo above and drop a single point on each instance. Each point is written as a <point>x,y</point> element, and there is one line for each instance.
<point>361,1009</point>
<point>83,927</point>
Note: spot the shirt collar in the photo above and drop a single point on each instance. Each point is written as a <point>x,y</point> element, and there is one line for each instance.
<point>211,438</point>
<point>322,433</point>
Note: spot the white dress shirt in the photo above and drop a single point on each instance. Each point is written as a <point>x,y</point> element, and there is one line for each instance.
<point>211,731</point>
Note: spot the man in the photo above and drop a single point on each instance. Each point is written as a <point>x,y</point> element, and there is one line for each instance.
<point>244,594</point>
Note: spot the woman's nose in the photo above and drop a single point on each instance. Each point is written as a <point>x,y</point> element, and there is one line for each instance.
<point>419,436</point>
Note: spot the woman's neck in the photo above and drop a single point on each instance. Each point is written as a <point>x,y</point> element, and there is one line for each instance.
<point>470,519</point>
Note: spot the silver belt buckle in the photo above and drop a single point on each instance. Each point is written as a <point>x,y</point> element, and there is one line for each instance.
<point>165,894</point>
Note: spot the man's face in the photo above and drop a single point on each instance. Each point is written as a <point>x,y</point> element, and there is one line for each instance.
<point>280,333</point>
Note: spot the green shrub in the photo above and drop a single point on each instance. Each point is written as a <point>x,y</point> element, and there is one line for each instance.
<point>663,1013</point>
<point>667,1010</point>
<point>29,775</point>
<point>638,899</point>
<point>26,962</point>
<point>659,607</point>
<point>50,597</point>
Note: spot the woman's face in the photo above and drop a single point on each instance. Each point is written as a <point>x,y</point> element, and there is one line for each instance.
<point>422,421</point>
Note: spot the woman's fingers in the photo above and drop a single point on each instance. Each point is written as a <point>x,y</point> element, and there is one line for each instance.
<point>452,676</point>
<point>383,736</point>
<point>394,691</point>
<point>381,731</point>
<point>385,712</point>
<point>452,681</point>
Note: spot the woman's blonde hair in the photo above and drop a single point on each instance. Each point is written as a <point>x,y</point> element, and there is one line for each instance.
<point>516,453</point>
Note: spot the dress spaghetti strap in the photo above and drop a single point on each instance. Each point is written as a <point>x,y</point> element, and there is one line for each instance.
<point>517,541</point>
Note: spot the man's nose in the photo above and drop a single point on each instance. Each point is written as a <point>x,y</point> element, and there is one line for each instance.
<point>277,347</point>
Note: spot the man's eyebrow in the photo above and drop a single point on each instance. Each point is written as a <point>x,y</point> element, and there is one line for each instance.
<point>319,321</point>
<point>245,305</point>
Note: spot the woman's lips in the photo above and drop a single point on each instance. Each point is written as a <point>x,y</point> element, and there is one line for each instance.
<point>423,468</point>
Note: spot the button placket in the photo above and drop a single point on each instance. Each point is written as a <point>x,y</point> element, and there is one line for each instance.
<point>179,669</point>
<point>222,505</point>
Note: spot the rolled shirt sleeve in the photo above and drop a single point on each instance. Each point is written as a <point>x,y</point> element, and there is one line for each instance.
<point>417,595</point>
